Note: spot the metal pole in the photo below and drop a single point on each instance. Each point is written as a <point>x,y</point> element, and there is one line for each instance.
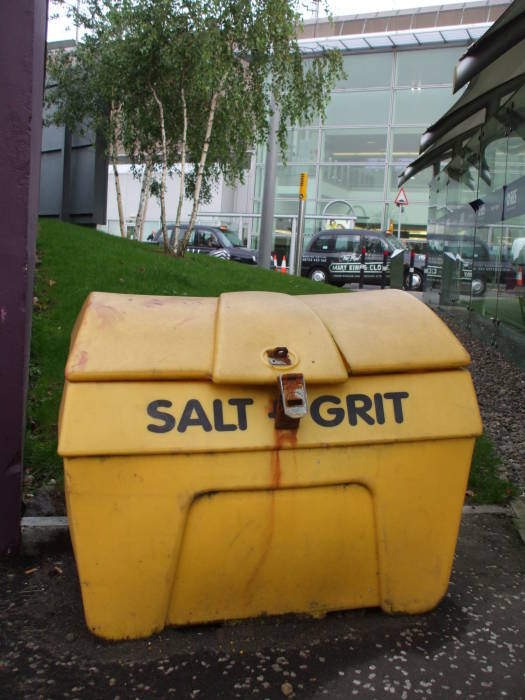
<point>22,53</point>
<point>268,201</point>
<point>299,238</point>
<point>303,186</point>
<point>399,221</point>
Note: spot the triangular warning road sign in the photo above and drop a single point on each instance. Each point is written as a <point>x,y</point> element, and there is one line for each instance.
<point>401,199</point>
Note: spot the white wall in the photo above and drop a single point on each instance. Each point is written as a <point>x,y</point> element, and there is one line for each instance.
<point>130,190</point>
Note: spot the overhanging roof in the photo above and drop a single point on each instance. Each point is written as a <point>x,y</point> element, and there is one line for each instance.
<point>501,76</point>
<point>505,33</point>
<point>426,37</point>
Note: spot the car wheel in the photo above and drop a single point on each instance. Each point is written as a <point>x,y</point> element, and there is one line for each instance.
<point>318,275</point>
<point>478,287</point>
<point>417,281</point>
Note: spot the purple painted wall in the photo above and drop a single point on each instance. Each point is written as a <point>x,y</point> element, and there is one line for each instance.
<point>22,57</point>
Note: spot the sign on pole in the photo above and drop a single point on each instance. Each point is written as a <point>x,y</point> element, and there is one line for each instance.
<point>401,199</point>
<point>303,184</point>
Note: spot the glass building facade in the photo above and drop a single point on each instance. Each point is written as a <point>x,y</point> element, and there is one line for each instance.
<point>372,129</point>
<point>476,229</point>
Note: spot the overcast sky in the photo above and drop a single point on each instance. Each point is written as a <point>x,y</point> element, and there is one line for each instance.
<point>61,27</point>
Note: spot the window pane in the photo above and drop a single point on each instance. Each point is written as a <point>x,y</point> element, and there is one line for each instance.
<point>368,214</point>
<point>324,243</point>
<point>421,106</point>
<point>287,182</point>
<point>405,144</point>
<point>357,181</point>
<point>302,145</point>
<point>259,180</point>
<point>260,155</point>
<point>358,108</point>
<point>374,246</point>
<point>428,67</point>
<point>370,70</point>
<point>353,145</point>
<point>416,188</point>
<point>347,243</point>
<point>413,219</point>
<point>291,206</point>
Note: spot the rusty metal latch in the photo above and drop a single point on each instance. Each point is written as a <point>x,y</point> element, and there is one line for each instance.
<point>293,401</point>
<point>279,357</point>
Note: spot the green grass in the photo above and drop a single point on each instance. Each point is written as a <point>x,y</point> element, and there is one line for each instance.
<point>507,309</point>
<point>73,261</point>
<point>485,484</point>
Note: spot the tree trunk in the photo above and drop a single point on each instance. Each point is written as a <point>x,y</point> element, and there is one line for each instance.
<point>167,248</point>
<point>146,200</point>
<point>113,148</point>
<point>142,199</point>
<point>182,171</point>
<point>181,246</point>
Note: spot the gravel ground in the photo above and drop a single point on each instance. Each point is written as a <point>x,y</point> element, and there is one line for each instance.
<point>471,646</point>
<point>500,387</point>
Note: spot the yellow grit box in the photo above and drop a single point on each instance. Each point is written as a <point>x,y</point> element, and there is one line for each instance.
<point>261,453</point>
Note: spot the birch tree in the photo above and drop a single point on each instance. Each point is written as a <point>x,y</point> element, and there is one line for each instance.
<point>195,81</point>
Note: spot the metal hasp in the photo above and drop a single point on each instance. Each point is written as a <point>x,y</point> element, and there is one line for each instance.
<point>293,401</point>
<point>279,357</point>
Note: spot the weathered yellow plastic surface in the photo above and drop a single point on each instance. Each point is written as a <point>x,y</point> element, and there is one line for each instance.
<point>125,336</point>
<point>187,505</point>
<point>391,332</point>
<point>328,337</point>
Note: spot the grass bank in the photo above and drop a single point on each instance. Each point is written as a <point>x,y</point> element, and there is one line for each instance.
<point>73,261</point>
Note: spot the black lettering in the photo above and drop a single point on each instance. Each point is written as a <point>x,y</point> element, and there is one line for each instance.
<point>241,411</point>
<point>362,411</point>
<point>218,418</point>
<point>168,421</point>
<point>337,413</point>
<point>396,398</point>
<point>380,411</point>
<point>200,419</point>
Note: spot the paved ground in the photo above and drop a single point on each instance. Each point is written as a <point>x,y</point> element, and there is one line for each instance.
<point>471,646</point>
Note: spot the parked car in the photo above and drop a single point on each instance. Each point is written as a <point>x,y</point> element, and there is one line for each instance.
<point>209,240</point>
<point>418,245</point>
<point>334,256</point>
<point>478,266</point>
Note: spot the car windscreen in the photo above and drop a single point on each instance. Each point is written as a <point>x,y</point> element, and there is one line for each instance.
<point>233,238</point>
<point>223,239</point>
<point>396,243</point>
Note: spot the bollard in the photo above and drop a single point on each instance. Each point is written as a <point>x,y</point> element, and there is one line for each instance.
<point>362,268</point>
<point>411,270</point>
<point>384,269</point>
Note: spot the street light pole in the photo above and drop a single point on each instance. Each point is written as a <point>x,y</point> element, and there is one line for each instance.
<point>268,200</point>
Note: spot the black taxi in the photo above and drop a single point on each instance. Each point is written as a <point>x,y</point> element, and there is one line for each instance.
<point>334,256</point>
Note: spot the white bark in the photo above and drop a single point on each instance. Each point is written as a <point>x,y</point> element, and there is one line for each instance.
<point>139,221</point>
<point>182,169</point>
<point>202,162</point>
<point>167,248</point>
<point>113,148</point>
<point>146,200</point>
